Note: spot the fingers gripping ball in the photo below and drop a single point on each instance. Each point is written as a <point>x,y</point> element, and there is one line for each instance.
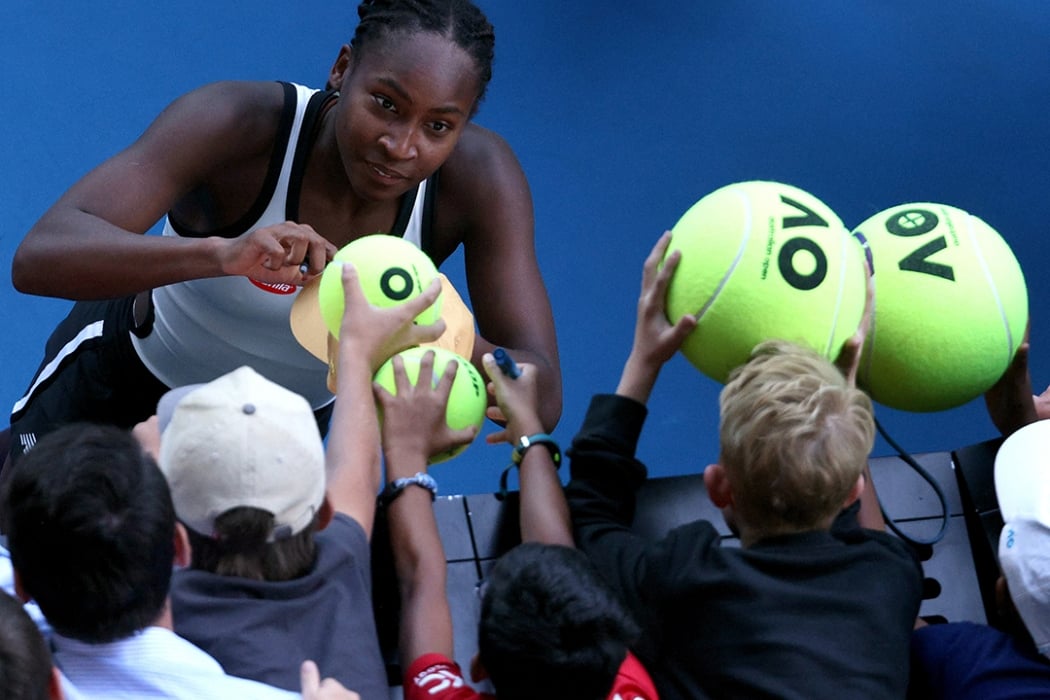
<point>763,260</point>
<point>391,271</point>
<point>951,306</point>
<point>466,401</point>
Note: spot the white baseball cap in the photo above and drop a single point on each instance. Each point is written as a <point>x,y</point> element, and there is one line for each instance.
<point>1022,485</point>
<point>241,440</point>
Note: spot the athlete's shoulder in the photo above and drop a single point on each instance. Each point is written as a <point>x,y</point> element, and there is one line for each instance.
<point>234,113</point>
<point>481,171</point>
<point>250,103</point>
<point>479,147</point>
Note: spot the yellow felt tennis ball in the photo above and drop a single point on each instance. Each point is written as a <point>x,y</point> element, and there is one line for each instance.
<point>466,401</point>
<point>951,307</point>
<point>391,271</point>
<point>763,260</point>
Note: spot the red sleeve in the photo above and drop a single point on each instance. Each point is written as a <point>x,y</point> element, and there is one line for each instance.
<point>632,682</point>
<point>437,677</point>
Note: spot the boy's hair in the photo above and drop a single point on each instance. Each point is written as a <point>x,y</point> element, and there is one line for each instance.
<point>794,438</point>
<point>25,663</point>
<point>550,626</point>
<point>239,547</point>
<point>460,21</point>
<point>91,530</point>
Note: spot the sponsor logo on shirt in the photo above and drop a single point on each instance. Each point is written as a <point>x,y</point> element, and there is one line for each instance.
<point>437,679</point>
<point>275,287</point>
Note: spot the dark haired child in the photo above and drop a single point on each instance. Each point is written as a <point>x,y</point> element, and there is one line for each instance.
<point>550,626</point>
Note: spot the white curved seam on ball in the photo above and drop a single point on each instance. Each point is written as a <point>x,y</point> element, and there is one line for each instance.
<point>748,222</point>
<point>838,297</point>
<point>867,351</point>
<point>991,284</point>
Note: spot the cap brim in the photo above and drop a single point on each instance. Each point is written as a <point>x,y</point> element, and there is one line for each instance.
<point>310,330</point>
<point>1022,473</point>
<point>308,326</point>
<point>459,332</point>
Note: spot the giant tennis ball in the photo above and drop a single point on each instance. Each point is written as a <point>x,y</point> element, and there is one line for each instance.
<point>391,271</point>
<point>466,401</point>
<point>763,260</point>
<point>951,307</point>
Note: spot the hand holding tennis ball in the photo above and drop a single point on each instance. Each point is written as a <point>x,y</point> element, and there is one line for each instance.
<point>390,269</point>
<point>763,260</point>
<point>951,307</point>
<point>467,397</point>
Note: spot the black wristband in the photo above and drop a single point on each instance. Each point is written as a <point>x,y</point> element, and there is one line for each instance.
<point>528,441</point>
<point>518,454</point>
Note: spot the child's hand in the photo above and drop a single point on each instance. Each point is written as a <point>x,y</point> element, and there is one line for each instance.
<point>848,360</point>
<point>414,425</point>
<point>517,402</point>
<point>378,333</point>
<point>656,339</point>
<point>315,689</point>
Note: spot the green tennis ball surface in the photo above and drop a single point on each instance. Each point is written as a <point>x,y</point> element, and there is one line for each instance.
<point>467,400</point>
<point>951,307</point>
<point>391,271</point>
<point>763,260</point>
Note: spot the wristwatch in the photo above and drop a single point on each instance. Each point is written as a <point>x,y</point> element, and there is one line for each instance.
<point>395,487</point>
<point>528,441</point>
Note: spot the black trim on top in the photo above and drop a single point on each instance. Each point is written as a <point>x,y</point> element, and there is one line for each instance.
<point>273,172</point>
<point>307,135</point>
<point>404,212</point>
<point>426,234</point>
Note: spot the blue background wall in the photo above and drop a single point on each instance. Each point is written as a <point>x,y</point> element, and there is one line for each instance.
<point>623,115</point>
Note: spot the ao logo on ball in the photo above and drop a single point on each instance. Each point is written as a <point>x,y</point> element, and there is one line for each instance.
<point>786,259</point>
<point>951,306</point>
<point>390,269</point>
<point>396,284</point>
<point>916,222</point>
<point>763,260</point>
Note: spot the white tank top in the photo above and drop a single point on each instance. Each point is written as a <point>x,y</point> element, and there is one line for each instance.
<point>207,327</point>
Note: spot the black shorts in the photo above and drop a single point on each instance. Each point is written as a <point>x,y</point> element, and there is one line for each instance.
<point>91,372</point>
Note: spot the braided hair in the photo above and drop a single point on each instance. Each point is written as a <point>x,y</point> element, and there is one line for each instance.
<point>460,21</point>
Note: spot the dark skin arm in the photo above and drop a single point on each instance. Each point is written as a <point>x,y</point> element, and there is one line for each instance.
<point>212,144</point>
<point>544,512</point>
<point>486,203</point>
